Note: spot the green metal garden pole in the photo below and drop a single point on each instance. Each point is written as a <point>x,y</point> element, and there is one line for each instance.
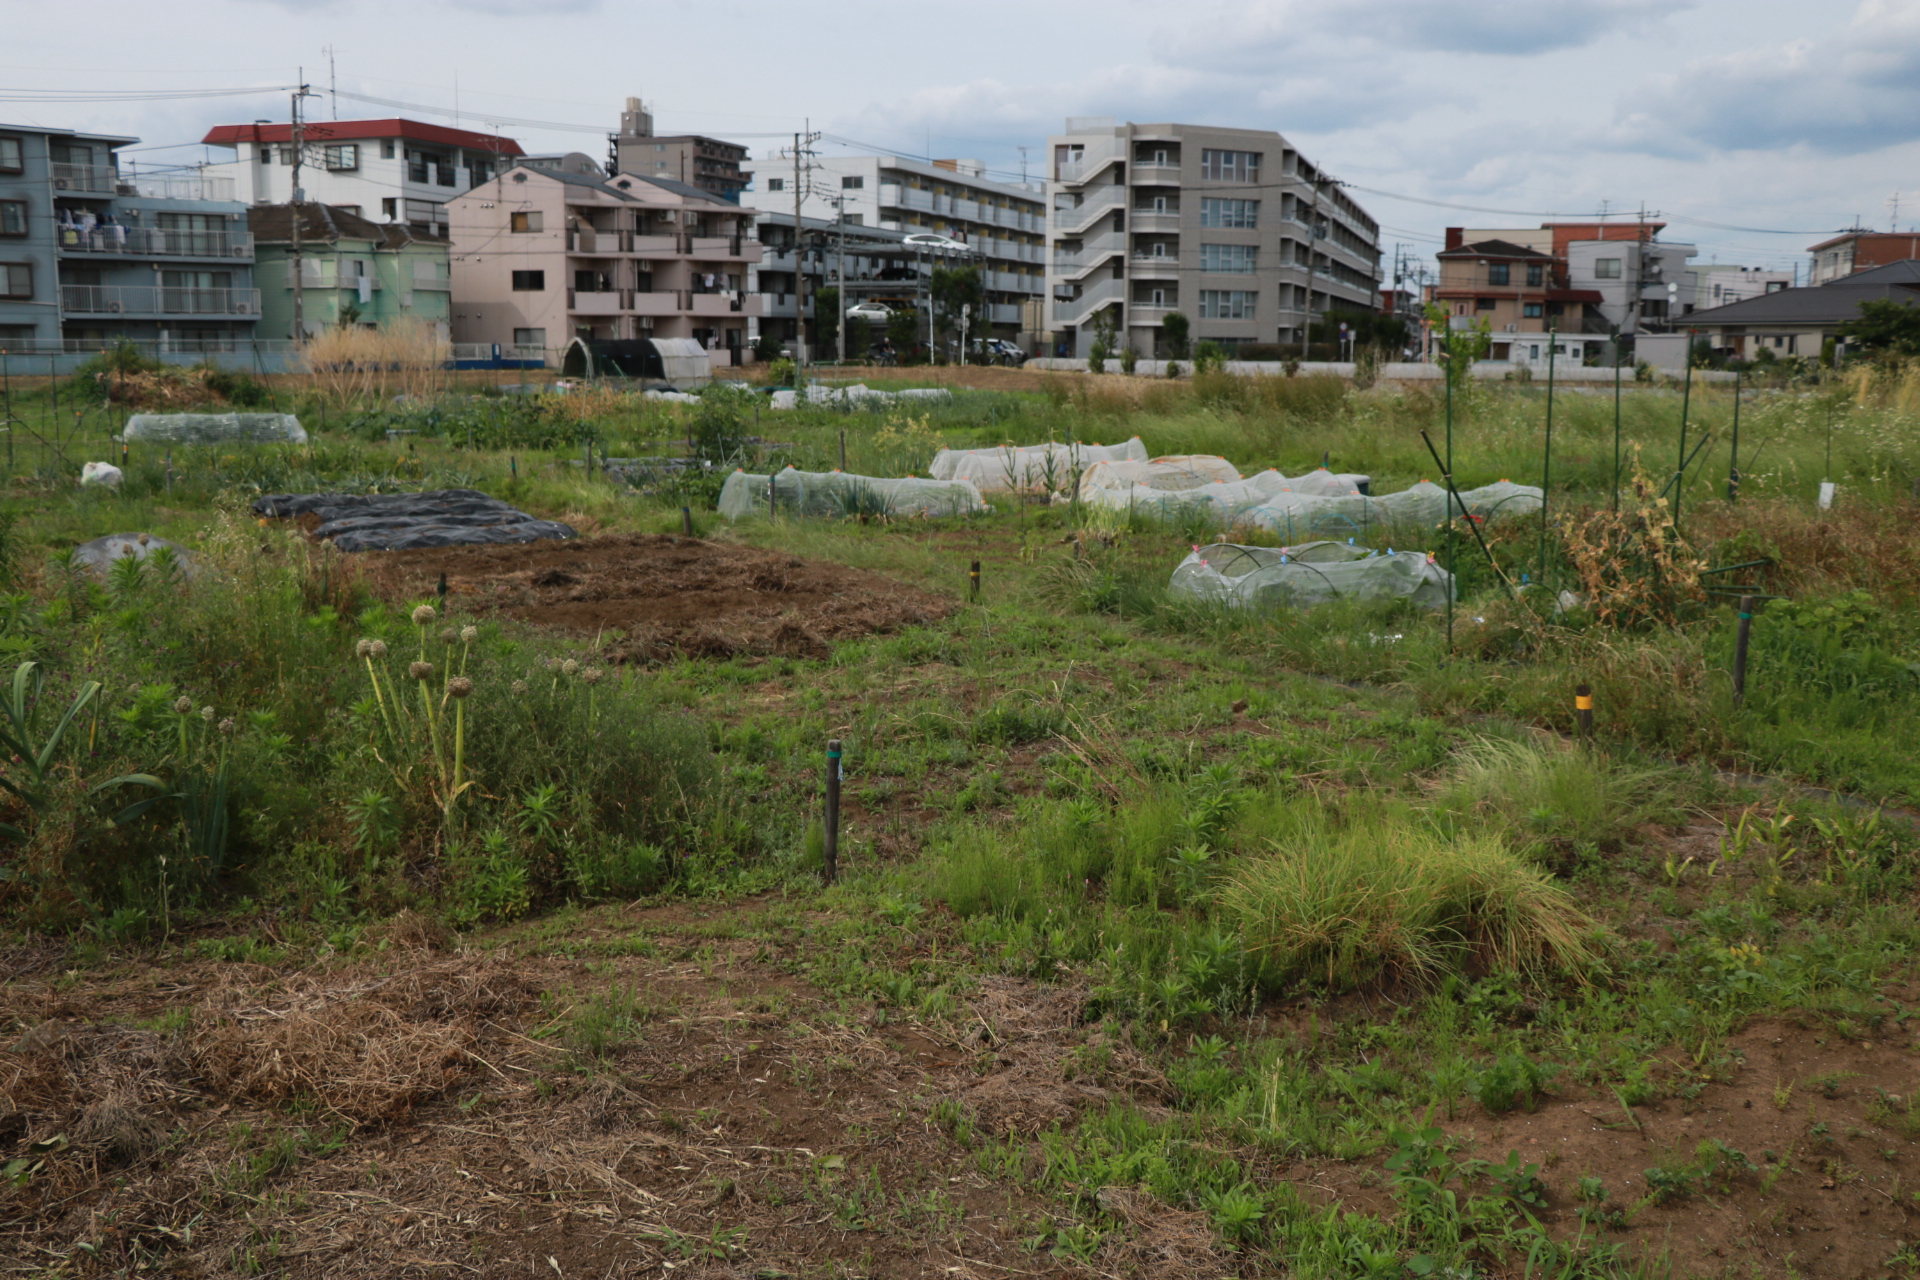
<point>1546,461</point>
<point>1616,419</point>
<point>1686,404</point>
<point>1733,468</point>
<point>1453,571</point>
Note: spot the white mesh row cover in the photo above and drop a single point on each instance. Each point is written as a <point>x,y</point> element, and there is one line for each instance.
<point>1171,473</point>
<point>1300,516</point>
<point>1035,466</point>
<point>215,428</point>
<point>857,393</point>
<point>836,493</point>
<point>1312,573</point>
<point>1230,499</point>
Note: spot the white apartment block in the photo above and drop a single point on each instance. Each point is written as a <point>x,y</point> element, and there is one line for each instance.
<point>397,171</point>
<point>1231,227</point>
<point>1004,223</point>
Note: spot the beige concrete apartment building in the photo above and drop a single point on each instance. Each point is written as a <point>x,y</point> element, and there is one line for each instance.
<point>541,257</point>
<point>1232,227</point>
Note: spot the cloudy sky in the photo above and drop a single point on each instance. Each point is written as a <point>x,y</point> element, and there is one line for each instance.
<point>1755,115</point>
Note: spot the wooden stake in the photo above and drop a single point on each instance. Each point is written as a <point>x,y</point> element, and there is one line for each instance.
<point>830,865</point>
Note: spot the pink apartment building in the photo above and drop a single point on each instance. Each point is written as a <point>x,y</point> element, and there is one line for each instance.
<point>540,257</point>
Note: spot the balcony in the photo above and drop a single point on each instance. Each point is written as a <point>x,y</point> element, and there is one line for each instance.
<point>181,188</point>
<point>156,242</point>
<point>723,247</point>
<point>595,302</point>
<point>104,300</point>
<point>715,304</point>
<point>1146,171</point>
<point>1155,220</point>
<point>83,177</point>
<point>1156,266</point>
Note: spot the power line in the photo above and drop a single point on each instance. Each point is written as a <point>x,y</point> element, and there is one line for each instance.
<point>135,95</point>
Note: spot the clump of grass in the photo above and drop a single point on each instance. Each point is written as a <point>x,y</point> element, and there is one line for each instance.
<point>1388,897</point>
<point>1540,791</point>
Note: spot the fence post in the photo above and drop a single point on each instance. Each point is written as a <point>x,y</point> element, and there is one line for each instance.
<point>830,863</point>
<point>1740,651</point>
<point>1583,709</point>
<point>843,448</point>
<point>686,520</point>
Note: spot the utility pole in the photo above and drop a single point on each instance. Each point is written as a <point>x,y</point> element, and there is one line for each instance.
<point>1313,234</point>
<point>840,277</point>
<point>333,83</point>
<point>802,144</point>
<point>299,154</point>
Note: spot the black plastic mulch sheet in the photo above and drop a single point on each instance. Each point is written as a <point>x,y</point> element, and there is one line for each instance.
<point>405,521</point>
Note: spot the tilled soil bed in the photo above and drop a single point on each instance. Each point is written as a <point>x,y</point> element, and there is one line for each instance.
<point>667,596</point>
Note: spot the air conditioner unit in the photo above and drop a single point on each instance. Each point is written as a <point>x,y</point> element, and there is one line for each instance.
<point>116,307</point>
<point>1513,328</point>
<point>241,251</point>
<point>60,184</point>
<point>243,308</point>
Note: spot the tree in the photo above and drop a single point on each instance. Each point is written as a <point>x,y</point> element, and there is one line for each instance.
<point>826,319</point>
<point>903,330</point>
<point>1366,328</point>
<point>1102,345</point>
<point>1175,328</point>
<point>954,288</point>
<point>1885,326</point>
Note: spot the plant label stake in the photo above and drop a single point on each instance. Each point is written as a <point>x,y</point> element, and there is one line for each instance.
<point>1583,709</point>
<point>973,581</point>
<point>830,862</point>
<point>686,520</point>
<point>169,471</point>
<point>1733,467</point>
<point>441,590</point>
<point>1740,651</point>
<point>513,464</point>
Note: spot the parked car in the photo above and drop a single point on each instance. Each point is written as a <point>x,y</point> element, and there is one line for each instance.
<point>1000,351</point>
<point>871,311</point>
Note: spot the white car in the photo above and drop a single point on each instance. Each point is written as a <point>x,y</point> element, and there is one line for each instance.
<point>928,240</point>
<point>868,311</point>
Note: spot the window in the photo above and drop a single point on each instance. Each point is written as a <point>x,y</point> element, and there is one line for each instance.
<point>390,207</point>
<point>286,155</point>
<point>16,280</point>
<point>852,184</point>
<point>1236,259</point>
<point>1531,310</point>
<point>529,337</point>
<point>340,156</point>
<point>1485,304</point>
<point>1536,274</point>
<point>1606,268</point>
<point>1229,213</point>
<point>1227,304</point>
<point>525,221</point>
<point>529,281</point>
<point>856,219</point>
<point>776,184</point>
<point>13,217</point>
<point>386,148</point>
<point>11,160</point>
<point>1230,166</point>
<point>1499,273</point>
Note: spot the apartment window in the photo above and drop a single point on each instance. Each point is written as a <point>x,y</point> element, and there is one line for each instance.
<point>16,279</point>
<point>1227,304</point>
<point>13,217</point>
<point>776,184</point>
<point>527,221</point>
<point>529,281</point>
<point>1485,304</point>
<point>11,159</point>
<point>386,149</point>
<point>443,173</point>
<point>529,337</point>
<point>856,219</point>
<point>286,155</point>
<point>852,184</point>
<point>1230,166</point>
<point>1536,274</point>
<point>1229,213</point>
<point>390,207</point>
<point>1499,273</point>
<point>1606,268</point>
<point>1234,259</point>
<point>341,157</point>
<point>1532,310</point>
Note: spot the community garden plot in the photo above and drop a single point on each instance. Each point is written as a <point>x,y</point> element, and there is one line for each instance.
<point>837,493</point>
<point>1309,574</point>
<point>1050,467</point>
<point>659,596</point>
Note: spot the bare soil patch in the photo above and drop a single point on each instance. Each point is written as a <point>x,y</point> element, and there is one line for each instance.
<point>666,596</point>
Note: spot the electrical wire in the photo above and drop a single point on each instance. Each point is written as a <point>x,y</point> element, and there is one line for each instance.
<point>136,95</point>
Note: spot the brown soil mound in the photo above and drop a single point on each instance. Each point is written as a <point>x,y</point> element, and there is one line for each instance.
<point>669,596</point>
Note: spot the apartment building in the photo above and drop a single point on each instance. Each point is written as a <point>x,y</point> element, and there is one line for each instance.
<point>710,164</point>
<point>540,257</point>
<point>1231,227</point>
<point>1002,225</point>
<point>352,270</point>
<point>398,171</point>
<point>1843,255</point>
<point>91,256</point>
<point>867,264</point>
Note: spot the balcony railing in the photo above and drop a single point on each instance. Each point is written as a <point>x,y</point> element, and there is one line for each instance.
<point>95,299</point>
<point>181,188</point>
<point>83,177</point>
<point>157,242</point>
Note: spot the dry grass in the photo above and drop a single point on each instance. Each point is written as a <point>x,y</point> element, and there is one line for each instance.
<point>408,357</point>
<point>1855,545</point>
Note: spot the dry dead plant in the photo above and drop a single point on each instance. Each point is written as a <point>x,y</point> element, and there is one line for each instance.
<point>1635,569</point>
<point>407,357</point>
